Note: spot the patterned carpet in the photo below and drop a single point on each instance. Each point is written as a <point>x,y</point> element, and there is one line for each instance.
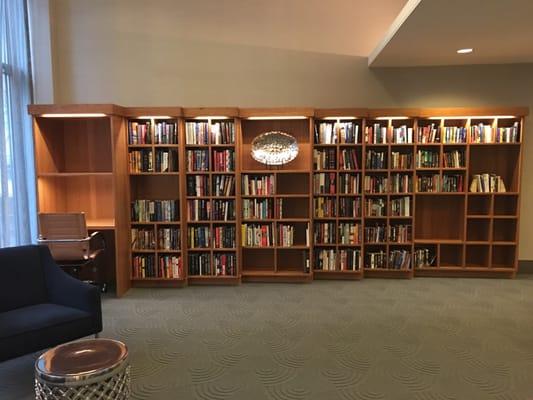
<point>424,339</point>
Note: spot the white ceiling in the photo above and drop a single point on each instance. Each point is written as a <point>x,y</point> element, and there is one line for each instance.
<point>429,32</point>
<point>346,27</point>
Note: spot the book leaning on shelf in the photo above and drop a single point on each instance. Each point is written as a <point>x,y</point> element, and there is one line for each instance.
<point>487,183</point>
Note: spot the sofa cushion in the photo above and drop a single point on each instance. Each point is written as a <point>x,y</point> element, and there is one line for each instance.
<point>29,329</point>
<point>37,317</point>
<point>22,283</point>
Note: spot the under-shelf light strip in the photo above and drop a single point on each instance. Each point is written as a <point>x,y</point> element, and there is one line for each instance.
<point>74,115</point>
<point>477,117</point>
<point>154,117</point>
<point>278,117</point>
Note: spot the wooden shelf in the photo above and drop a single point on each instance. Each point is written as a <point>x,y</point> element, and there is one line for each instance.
<point>81,165</point>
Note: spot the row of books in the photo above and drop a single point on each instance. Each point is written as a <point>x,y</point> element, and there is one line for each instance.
<point>166,160</point>
<point>379,134</point>
<point>453,183</point>
<point>482,133</point>
<point>333,260</point>
<point>223,237</point>
<point>197,160</point>
<point>375,184</point>
<point>381,233</point>
<point>325,207</point>
<point>375,207</point>
<point>198,185</point>
<point>376,159</point>
<point>257,185</point>
<point>257,208</point>
<point>435,183</point>
<point>348,207</point>
<point>324,159</point>
<point>197,132</point>
<point>224,160</point>
<point>325,183</point>
<point>427,159</point>
<point>168,238</point>
<point>141,132</point>
<point>400,207</point>
<point>396,259</point>
<point>347,233</point>
<point>223,185</point>
<point>446,134</point>
<point>454,159</point>
<point>350,233</point>
<point>205,210</point>
<point>399,160</point>
<point>224,264</point>
<point>167,266</point>
<point>401,183</point>
<point>155,210</point>
<point>487,183</point>
<point>336,132</point>
<point>261,235</point>
<point>198,237</point>
<point>424,257</point>
<point>140,161</point>
<point>257,235</point>
<point>142,239</point>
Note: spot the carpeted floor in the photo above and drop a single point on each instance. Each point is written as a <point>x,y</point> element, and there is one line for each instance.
<point>424,339</point>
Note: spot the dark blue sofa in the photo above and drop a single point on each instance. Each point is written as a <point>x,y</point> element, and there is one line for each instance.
<point>40,305</point>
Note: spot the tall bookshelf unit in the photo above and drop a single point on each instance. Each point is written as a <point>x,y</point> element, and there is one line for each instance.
<point>155,163</point>
<point>212,201</point>
<point>472,233</point>
<point>388,200</point>
<point>284,192</point>
<point>403,187</point>
<point>80,153</point>
<point>337,194</point>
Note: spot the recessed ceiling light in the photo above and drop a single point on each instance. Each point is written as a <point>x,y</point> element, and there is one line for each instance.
<point>465,51</point>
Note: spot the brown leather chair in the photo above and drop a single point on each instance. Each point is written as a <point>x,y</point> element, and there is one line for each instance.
<point>70,244</point>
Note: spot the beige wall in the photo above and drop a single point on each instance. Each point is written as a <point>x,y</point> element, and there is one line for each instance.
<point>102,52</point>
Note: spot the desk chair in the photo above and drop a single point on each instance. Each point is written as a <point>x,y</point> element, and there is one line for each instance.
<point>72,248</point>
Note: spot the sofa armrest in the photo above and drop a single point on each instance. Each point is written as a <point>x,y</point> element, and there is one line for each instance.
<point>67,291</point>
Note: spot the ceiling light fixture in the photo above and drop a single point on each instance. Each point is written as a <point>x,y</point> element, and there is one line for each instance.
<point>465,50</point>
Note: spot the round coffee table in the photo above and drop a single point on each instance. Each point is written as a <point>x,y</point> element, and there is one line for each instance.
<point>85,369</point>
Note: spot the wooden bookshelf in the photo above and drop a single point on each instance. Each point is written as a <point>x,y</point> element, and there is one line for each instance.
<point>155,162</point>
<point>212,199</point>
<point>287,201</point>
<point>83,164</point>
<point>337,195</point>
<point>474,233</point>
<point>388,195</point>
<point>80,167</point>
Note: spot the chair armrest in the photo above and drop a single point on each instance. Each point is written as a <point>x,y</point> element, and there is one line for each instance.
<point>67,291</point>
<point>97,235</point>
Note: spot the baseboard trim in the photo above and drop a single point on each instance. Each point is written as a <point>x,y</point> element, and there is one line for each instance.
<point>525,266</point>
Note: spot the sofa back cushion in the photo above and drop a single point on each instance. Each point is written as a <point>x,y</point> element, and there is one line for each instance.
<point>21,278</point>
